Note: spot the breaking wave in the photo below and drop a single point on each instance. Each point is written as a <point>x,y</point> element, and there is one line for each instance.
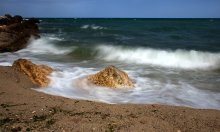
<point>94,27</point>
<point>45,45</point>
<point>166,58</point>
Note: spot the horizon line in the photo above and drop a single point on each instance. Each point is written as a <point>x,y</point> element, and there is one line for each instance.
<point>128,17</point>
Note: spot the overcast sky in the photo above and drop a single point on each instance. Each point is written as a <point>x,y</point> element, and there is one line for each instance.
<point>113,8</point>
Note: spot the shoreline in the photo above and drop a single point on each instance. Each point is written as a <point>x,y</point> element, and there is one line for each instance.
<point>24,109</point>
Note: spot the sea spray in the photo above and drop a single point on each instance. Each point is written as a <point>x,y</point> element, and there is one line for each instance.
<point>166,58</point>
<point>45,45</point>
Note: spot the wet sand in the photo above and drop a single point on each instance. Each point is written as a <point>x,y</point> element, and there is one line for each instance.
<point>23,109</point>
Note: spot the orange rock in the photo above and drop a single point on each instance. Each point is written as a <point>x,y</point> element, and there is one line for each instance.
<point>37,73</point>
<point>111,77</point>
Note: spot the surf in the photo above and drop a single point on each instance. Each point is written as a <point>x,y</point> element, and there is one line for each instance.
<point>92,26</point>
<point>180,58</point>
<point>45,45</point>
<point>147,90</point>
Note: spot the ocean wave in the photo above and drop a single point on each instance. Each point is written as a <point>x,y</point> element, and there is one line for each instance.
<point>94,27</point>
<point>166,58</point>
<point>71,83</point>
<point>56,38</point>
<point>5,64</point>
<point>45,45</point>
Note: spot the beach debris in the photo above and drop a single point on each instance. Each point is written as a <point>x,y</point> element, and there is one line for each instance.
<point>37,73</point>
<point>111,77</point>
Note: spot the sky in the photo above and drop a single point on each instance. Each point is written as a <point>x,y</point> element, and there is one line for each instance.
<point>112,8</point>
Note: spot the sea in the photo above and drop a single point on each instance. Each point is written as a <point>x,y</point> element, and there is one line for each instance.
<point>170,61</point>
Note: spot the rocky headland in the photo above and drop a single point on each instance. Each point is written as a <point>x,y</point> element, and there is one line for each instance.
<point>15,32</point>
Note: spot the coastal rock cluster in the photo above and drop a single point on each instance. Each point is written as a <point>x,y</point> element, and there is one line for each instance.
<point>111,77</point>
<point>38,74</point>
<point>15,32</point>
<point>14,35</point>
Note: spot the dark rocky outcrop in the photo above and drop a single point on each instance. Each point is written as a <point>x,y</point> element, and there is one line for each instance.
<point>38,74</point>
<point>15,32</point>
<point>111,77</point>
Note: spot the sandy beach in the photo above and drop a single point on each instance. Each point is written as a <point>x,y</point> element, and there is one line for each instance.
<point>24,109</point>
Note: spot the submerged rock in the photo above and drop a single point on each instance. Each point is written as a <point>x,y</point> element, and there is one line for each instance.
<point>37,73</point>
<point>111,77</point>
<point>15,32</point>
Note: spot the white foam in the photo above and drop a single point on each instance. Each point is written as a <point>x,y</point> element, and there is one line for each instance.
<point>93,26</point>
<point>85,26</point>
<point>5,64</point>
<point>165,58</point>
<point>45,45</point>
<point>56,38</point>
<point>71,84</point>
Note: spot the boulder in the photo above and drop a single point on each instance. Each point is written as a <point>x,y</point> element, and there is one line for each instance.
<point>111,77</point>
<point>3,20</point>
<point>37,73</point>
<point>18,19</point>
<point>8,16</point>
<point>15,32</point>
